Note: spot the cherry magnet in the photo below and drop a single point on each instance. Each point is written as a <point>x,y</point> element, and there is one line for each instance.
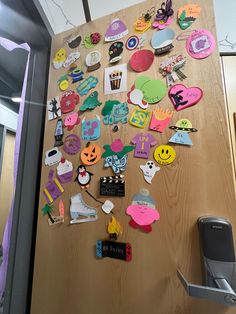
<point>200,44</point>
<point>65,171</point>
<point>92,61</point>
<point>59,58</point>
<point>115,51</point>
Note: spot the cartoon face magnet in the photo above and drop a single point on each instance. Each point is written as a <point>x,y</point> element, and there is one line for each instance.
<point>200,44</point>
<point>59,58</point>
<point>139,118</point>
<point>71,120</point>
<point>162,41</point>
<point>115,51</point>
<point>188,14</point>
<point>92,61</point>
<point>114,111</point>
<point>163,16</point>
<point>91,154</point>
<point>160,119</point>
<point>91,129</point>
<point>182,128</point>
<point>116,30</point>
<point>183,97</point>
<point>164,154</point>
<point>149,170</point>
<point>90,102</point>
<point>72,144</point>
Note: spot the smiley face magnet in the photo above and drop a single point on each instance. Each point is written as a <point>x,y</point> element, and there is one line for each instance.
<point>164,154</point>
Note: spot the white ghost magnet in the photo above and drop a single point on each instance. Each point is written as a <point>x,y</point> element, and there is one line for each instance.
<point>149,170</point>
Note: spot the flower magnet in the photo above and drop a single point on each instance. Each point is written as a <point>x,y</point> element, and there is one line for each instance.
<point>163,16</point>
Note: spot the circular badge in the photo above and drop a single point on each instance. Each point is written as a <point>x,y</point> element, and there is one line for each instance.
<point>141,60</point>
<point>200,44</point>
<point>132,42</point>
<point>164,154</point>
<point>93,58</point>
<point>72,144</point>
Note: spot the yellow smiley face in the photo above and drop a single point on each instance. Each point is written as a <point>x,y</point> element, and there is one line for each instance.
<point>164,154</point>
<point>60,55</point>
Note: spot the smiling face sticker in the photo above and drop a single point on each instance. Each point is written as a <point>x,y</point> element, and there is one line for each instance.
<point>164,154</point>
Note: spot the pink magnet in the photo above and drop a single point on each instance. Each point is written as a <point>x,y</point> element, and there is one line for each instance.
<point>141,60</point>
<point>200,44</point>
<point>143,215</point>
<point>71,120</point>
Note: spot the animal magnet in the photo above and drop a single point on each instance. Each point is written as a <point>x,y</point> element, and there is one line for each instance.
<point>143,211</point>
<point>59,58</point>
<point>170,69</point>
<point>182,128</point>
<point>54,109</point>
<point>92,61</point>
<point>80,212</point>
<point>200,44</point>
<point>183,97</point>
<point>69,100</point>
<point>71,120</point>
<point>149,170</point>
<point>115,51</point>
<point>162,41</point>
<point>59,133</point>
<point>91,154</point>
<point>71,144</point>
<point>143,143</point>
<point>116,30</point>
<point>139,118</point>
<point>117,250</point>
<point>87,85</point>
<point>91,102</point>
<point>65,171</point>
<point>164,154</point>
<point>160,119</point>
<point>187,14</point>
<point>163,16</point>
<point>114,111</point>
<point>141,60</point>
<point>91,129</point>
<point>83,177</point>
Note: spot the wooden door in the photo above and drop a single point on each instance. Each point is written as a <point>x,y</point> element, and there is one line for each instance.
<point>6,180</point>
<point>68,278</point>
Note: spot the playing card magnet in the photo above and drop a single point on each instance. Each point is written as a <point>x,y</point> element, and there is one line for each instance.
<point>183,97</point>
<point>200,44</point>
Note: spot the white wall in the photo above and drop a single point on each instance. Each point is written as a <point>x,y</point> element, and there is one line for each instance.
<point>8,117</point>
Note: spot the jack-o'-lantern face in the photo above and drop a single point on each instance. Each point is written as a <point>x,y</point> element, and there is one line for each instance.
<point>91,154</point>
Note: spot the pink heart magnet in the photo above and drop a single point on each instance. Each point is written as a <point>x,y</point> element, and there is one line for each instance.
<point>183,97</point>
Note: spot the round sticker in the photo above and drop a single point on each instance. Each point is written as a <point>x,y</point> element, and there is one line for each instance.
<point>164,154</point>
<point>71,144</point>
<point>141,60</point>
<point>200,44</point>
<point>93,58</point>
<point>132,42</point>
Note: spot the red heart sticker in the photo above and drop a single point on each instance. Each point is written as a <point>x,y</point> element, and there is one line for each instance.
<point>141,60</point>
<point>183,97</point>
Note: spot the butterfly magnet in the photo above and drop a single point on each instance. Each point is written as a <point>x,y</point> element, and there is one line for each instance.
<point>163,17</point>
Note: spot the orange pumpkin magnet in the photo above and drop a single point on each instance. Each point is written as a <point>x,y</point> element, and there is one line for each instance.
<point>91,154</point>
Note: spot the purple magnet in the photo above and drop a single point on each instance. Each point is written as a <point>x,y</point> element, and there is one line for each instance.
<point>116,30</point>
<point>72,144</point>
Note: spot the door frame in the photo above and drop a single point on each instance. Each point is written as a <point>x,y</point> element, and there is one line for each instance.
<point>3,132</point>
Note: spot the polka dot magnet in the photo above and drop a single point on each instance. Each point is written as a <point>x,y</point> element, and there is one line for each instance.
<point>91,129</point>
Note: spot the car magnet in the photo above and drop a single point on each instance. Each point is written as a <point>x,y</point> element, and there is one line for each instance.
<point>87,85</point>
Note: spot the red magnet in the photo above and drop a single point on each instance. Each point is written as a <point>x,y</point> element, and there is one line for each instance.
<point>141,60</point>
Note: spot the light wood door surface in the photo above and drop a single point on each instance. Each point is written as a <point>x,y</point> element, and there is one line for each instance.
<point>68,278</point>
<point>6,180</point>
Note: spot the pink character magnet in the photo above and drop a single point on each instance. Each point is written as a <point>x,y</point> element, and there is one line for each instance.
<point>71,120</point>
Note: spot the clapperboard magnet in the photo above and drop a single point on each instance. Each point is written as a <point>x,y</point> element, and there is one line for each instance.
<point>112,186</point>
<point>117,250</point>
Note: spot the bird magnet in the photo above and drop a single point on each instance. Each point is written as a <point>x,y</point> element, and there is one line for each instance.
<point>160,119</point>
<point>200,44</point>
<point>59,59</point>
<point>182,128</point>
<point>149,170</point>
<point>114,111</point>
<point>91,102</point>
<point>91,154</point>
<point>83,177</point>
<point>183,97</point>
<point>163,17</point>
<point>91,129</point>
<point>187,14</point>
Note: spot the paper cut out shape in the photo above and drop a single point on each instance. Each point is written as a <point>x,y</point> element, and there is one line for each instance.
<point>115,79</point>
<point>74,41</point>
<point>141,60</point>
<point>142,211</point>
<point>76,74</point>
<point>63,83</point>
<point>149,170</point>
<point>107,207</point>
<point>69,100</point>
<point>183,97</point>
<point>83,177</point>
<point>114,111</point>
<point>144,22</point>
<point>86,85</point>
<point>87,42</point>
<point>71,144</point>
<point>53,188</point>
<point>160,119</point>
<point>112,186</point>
<point>65,171</point>
<point>59,133</point>
<point>91,154</point>
<point>52,219</point>
<point>52,156</point>
<point>54,109</point>
<point>162,41</point>
<point>116,30</point>
<point>117,250</point>
<point>163,16</point>
<point>59,58</point>
<point>81,212</point>
<point>182,128</point>
<point>73,56</point>
<point>139,118</point>
<point>171,69</point>
<point>200,44</point>
<point>135,97</point>
<point>116,156</point>
<point>164,154</point>
<point>91,129</point>
<point>92,60</point>
<point>187,14</point>
<point>95,38</point>
<point>132,42</point>
<point>91,102</point>
<point>142,40</point>
<point>71,120</point>
<point>114,228</point>
<point>115,51</point>
<point>143,144</point>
